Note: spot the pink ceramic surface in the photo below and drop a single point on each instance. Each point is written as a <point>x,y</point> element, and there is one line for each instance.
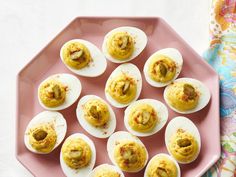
<point>160,35</point>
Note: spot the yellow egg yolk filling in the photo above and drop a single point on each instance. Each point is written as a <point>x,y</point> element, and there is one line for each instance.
<point>76,55</point>
<point>43,137</point>
<point>120,45</point>
<point>96,112</point>
<point>76,153</point>
<point>162,167</point>
<point>105,172</point>
<point>130,156</point>
<point>183,146</point>
<point>162,68</point>
<point>52,93</point>
<point>142,118</point>
<point>122,88</point>
<point>183,96</point>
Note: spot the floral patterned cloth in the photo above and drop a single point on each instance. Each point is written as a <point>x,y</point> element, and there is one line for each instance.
<point>222,56</point>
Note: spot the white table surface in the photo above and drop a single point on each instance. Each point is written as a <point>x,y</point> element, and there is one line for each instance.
<point>26,26</point>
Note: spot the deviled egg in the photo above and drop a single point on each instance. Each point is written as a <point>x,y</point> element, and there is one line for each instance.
<point>182,140</point>
<point>45,132</point>
<point>78,155</point>
<point>106,170</point>
<point>145,117</point>
<point>59,91</point>
<point>127,152</point>
<point>162,67</point>
<point>96,116</point>
<point>162,165</point>
<point>124,85</point>
<point>83,58</point>
<point>124,44</point>
<point>187,95</point>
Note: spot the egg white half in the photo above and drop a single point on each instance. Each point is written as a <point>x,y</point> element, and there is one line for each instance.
<point>132,71</point>
<point>82,171</point>
<point>174,55</point>
<point>140,43</point>
<point>119,136</point>
<point>106,166</point>
<point>99,132</point>
<point>96,67</point>
<point>162,114</point>
<point>47,117</point>
<point>186,124</point>
<point>204,98</point>
<point>161,155</point>
<point>74,88</point>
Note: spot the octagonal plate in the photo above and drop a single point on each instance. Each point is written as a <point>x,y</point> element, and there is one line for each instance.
<point>160,35</point>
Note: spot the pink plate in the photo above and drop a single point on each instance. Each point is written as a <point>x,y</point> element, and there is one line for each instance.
<point>160,35</point>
